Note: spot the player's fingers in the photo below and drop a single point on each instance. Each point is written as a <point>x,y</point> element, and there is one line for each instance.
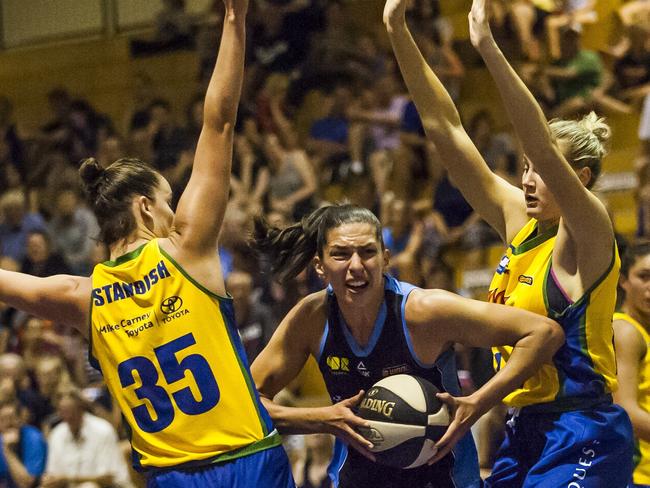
<point>450,401</point>
<point>357,438</point>
<point>448,441</point>
<point>439,455</point>
<point>357,421</point>
<point>354,400</point>
<point>362,449</point>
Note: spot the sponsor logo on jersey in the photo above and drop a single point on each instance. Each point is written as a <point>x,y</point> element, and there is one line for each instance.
<point>114,292</point>
<point>496,296</point>
<point>171,304</point>
<point>338,364</point>
<point>363,371</point>
<point>503,265</point>
<point>526,280</point>
<point>172,309</point>
<point>582,465</point>
<point>131,327</point>
<point>399,369</point>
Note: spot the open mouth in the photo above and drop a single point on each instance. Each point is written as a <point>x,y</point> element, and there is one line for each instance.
<point>531,201</point>
<point>356,285</point>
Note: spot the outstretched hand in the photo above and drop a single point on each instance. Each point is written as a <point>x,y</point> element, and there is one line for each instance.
<point>479,22</point>
<point>341,421</point>
<point>394,12</point>
<point>464,412</point>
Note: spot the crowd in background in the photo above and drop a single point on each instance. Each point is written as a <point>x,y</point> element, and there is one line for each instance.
<point>366,146</point>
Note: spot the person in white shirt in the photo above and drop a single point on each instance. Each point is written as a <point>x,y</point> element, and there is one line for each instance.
<point>83,450</point>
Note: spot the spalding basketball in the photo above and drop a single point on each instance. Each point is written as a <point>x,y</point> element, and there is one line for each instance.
<point>406,420</point>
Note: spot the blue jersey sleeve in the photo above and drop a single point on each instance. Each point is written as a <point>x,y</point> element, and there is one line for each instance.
<point>33,450</point>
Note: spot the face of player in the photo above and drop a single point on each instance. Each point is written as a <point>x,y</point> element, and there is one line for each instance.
<point>637,286</point>
<point>540,203</point>
<point>353,263</point>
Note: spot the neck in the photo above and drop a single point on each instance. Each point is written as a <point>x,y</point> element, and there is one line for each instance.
<point>361,320</point>
<point>130,243</point>
<point>544,225</point>
<point>75,431</point>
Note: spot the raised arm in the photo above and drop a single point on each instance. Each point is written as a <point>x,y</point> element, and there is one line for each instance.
<point>203,203</point>
<point>584,215</point>
<point>63,299</point>
<point>499,203</point>
<point>440,317</point>
<point>281,361</point>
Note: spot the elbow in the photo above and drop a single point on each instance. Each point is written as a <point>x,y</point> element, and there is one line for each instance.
<point>553,337</point>
<point>220,113</point>
<point>221,122</point>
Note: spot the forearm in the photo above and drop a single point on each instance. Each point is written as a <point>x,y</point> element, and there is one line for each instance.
<point>294,420</point>
<point>528,355</point>
<point>430,96</point>
<point>222,96</point>
<point>523,110</point>
<point>16,469</point>
<point>53,298</point>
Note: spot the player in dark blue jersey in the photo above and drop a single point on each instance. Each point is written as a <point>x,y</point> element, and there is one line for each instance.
<point>366,326</point>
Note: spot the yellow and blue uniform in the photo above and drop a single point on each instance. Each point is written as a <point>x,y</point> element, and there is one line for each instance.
<point>565,409</point>
<point>641,475</point>
<point>171,357</point>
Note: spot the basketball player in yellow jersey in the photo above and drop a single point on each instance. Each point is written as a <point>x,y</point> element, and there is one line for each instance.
<point>161,324</point>
<point>561,262</point>
<point>632,334</point>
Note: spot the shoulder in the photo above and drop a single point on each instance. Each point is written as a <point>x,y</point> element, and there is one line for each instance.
<point>628,338</point>
<point>313,306</point>
<point>624,327</point>
<point>31,435</point>
<point>425,304</point>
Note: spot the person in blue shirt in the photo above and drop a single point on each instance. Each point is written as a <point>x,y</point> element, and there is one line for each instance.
<point>23,449</point>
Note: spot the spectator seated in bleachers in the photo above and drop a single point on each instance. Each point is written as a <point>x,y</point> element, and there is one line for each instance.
<point>16,225</point>
<point>83,450</point>
<point>23,449</point>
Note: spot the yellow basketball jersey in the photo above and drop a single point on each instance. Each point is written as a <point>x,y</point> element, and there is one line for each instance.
<point>171,357</point>
<point>642,448</point>
<point>584,369</point>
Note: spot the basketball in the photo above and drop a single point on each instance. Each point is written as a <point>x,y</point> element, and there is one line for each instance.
<point>406,420</point>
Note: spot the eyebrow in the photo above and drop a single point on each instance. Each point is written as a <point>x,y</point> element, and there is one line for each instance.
<point>337,247</point>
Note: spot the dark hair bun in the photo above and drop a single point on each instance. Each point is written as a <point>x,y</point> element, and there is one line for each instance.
<point>90,172</point>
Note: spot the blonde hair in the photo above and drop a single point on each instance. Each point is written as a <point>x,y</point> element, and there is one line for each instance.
<point>587,139</point>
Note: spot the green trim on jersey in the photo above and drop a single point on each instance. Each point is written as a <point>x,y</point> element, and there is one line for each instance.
<point>125,257</point>
<point>192,280</point>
